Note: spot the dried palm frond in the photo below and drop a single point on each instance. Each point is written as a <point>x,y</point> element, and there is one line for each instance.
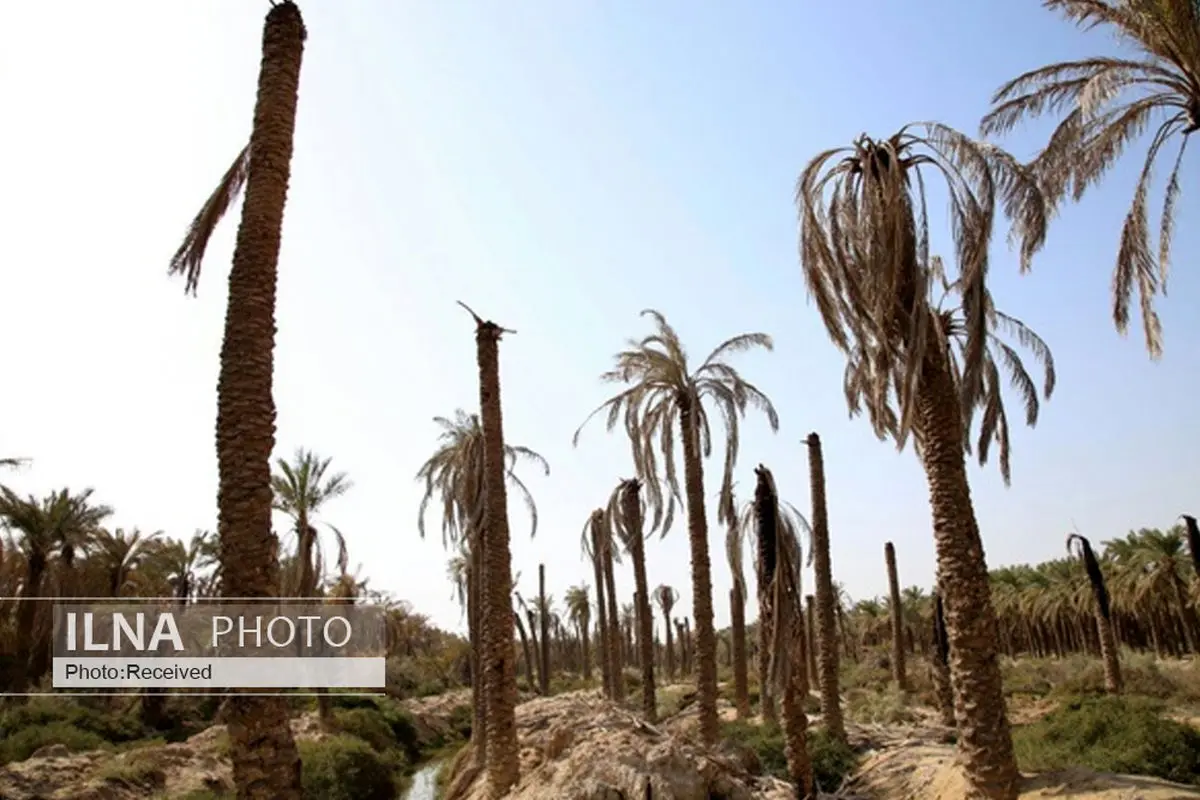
<point>190,255</point>
<point>1104,104</point>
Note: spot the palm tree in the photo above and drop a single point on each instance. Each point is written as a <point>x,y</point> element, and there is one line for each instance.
<point>454,474</point>
<point>897,609</point>
<point>779,580</point>
<point>825,637</point>
<point>1103,612</point>
<point>301,489</point>
<point>734,547</point>
<point>580,613</point>
<point>61,521</point>
<point>626,517</point>
<point>923,369</point>
<point>119,554</point>
<point>1105,103</point>
<point>667,597</point>
<point>594,543</point>
<point>499,670</point>
<point>265,761</point>
<point>660,393</point>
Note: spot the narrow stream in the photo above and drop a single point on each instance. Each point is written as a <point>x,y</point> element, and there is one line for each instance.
<point>424,783</point>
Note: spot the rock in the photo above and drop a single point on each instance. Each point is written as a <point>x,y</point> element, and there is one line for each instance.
<point>52,751</point>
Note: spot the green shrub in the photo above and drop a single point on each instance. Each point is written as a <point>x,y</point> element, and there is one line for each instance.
<point>108,726</point>
<point>832,761</point>
<point>461,720</point>
<point>21,744</point>
<point>367,724</point>
<point>135,769</point>
<point>1112,734</point>
<point>344,768</point>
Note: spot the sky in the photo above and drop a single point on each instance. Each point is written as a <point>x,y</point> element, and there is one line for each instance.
<point>559,166</point>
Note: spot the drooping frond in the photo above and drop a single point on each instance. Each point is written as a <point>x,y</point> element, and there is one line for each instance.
<point>1092,566</point>
<point>888,303</point>
<point>659,390</point>
<point>1104,104</point>
<point>190,255</point>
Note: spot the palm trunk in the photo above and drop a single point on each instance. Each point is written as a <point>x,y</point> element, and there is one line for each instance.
<point>602,648</point>
<point>670,645</point>
<point>631,511</point>
<point>526,650</point>
<point>266,764</point>
<point>702,600</point>
<point>827,639</point>
<point>474,632</point>
<point>898,671</point>
<point>26,616</point>
<point>810,634</point>
<point>503,756</point>
<point>984,738</point>
<point>584,638</point>
<point>941,663</point>
<point>795,720</point>
<point>614,626</point>
<point>741,682</point>
<point>544,619</point>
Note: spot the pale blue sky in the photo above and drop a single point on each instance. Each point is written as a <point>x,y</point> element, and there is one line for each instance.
<point>559,166</point>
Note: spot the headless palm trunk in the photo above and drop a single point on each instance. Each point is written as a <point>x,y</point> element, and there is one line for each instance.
<point>265,762</point>
<point>500,679</point>
<point>765,571</point>
<point>898,671</point>
<point>1103,614</point>
<point>984,737</point>
<point>827,641</point>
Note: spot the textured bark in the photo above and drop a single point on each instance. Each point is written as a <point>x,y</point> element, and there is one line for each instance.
<point>1109,654</point>
<point>898,653</point>
<point>266,764</point>
<point>585,637</point>
<point>741,682</point>
<point>614,631</point>
<point>941,664</point>
<point>764,569</point>
<point>702,599</point>
<point>602,648</point>
<point>810,635</point>
<point>474,632</point>
<point>827,639</point>
<point>795,721</point>
<point>525,649</point>
<point>631,511</point>
<point>544,618</point>
<point>670,645</point>
<point>35,570</point>
<point>499,668</point>
<point>984,738</point>
<point>534,652</point>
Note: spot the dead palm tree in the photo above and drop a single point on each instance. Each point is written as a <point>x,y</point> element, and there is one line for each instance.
<point>734,554</point>
<point>626,517</point>
<point>779,580</point>
<point>454,474</point>
<point>664,401</point>
<point>1105,103</point>
<point>1103,612</point>
<point>594,543</point>
<point>499,668</point>
<point>825,637</point>
<point>897,613</point>
<point>265,761</point>
<point>922,367</point>
<point>579,611</point>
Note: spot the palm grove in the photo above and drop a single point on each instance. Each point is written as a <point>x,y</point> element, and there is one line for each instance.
<point>926,352</point>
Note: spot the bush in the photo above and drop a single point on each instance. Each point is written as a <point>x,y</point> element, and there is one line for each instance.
<point>106,725</point>
<point>1111,734</point>
<point>20,744</point>
<point>832,761</point>
<point>344,768</point>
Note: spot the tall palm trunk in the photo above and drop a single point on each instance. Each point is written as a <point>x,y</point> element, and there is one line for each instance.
<point>266,764</point>
<point>702,599</point>
<point>615,669</point>
<point>741,682</point>
<point>475,632</point>
<point>602,648</point>
<point>526,650</point>
<point>827,639</point>
<point>810,635</point>
<point>984,738</point>
<point>544,619</point>
<point>631,512</point>
<point>35,571</point>
<point>898,671</point>
<point>584,638</point>
<point>764,570</point>
<point>503,757</point>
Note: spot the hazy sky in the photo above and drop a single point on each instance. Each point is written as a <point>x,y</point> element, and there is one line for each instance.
<point>559,166</point>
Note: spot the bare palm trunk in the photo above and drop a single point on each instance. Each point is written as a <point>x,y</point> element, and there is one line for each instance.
<point>827,639</point>
<point>984,737</point>
<point>614,630</point>
<point>526,650</point>
<point>631,512</point>
<point>810,635</point>
<point>544,619</point>
<point>584,639</point>
<point>266,765</point>
<point>503,757</point>
<point>795,720</point>
<point>741,683</point>
<point>670,645</point>
<point>602,648</point>
<point>898,671</point>
<point>702,600</point>
<point>474,626</point>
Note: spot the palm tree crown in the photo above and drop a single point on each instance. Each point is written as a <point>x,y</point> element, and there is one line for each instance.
<point>1105,103</point>
<point>866,259</point>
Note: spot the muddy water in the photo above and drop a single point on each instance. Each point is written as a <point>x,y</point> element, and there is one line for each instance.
<point>424,784</point>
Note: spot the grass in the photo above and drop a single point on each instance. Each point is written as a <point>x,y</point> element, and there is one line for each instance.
<point>1127,735</point>
<point>134,769</point>
<point>832,761</point>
